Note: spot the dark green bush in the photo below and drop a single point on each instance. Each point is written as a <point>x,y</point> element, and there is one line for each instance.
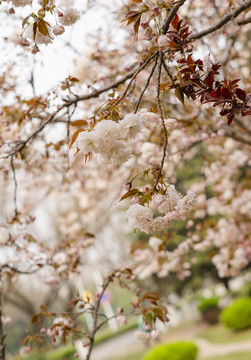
<point>176,351</point>
<point>210,303</point>
<point>237,315</point>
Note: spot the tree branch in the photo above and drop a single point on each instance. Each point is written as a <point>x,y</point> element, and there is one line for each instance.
<point>236,135</point>
<point>162,118</point>
<point>222,22</point>
<point>147,84</point>
<point>170,17</point>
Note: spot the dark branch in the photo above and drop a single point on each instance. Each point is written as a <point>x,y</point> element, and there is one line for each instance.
<point>147,84</point>
<point>222,22</point>
<point>170,17</point>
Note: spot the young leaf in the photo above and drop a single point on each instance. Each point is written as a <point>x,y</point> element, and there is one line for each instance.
<point>74,136</point>
<point>79,122</point>
<point>129,193</point>
<point>42,27</point>
<point>179,94</point>
<point>175,21</point>
<point>34,30</point>
<point>25,20</point>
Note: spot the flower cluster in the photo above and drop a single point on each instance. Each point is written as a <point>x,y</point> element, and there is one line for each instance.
<point>155,259</point>
<point>233,244</point>
<point>169,206</point>
<point>109,139</point>
<point>61,328</point>
<point>39,31</point>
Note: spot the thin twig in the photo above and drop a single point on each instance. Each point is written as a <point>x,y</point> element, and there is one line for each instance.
<point>244,21</point>
<point>222,22</point>
<point>23,143</point>
<point>162,118</point>
<point>17,270</point>
<point>95,316</point>
<point>15,183</point>
<point>146,62</point>
<point>147,84</point>
<point>96,93</point>
<point>168,72</point>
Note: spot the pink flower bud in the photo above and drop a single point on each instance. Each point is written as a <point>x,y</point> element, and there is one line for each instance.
<point>60,14</point>
<point>58,30</point>
<point>144,24</point>
<point>76,355</point>
<point>34,49</point>
<point>156,10</point>
<point>135,200</point>
<point>22,42</point>
<point>148,34</point>
<point>11,11</point>
<point>127,186</point>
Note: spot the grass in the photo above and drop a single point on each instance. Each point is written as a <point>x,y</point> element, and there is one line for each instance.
<point>220,334</point>
<point>134,356</point>
<point>235,356</point>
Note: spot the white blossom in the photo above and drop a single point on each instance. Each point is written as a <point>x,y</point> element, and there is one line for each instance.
<point>70,17</point>
<point>4,235</point>
<point>107,130</point>
<point>130,126</point>
<point>21,3</point>
<point>155,242</point>
<point>186,203</point>
<point>88,141</point>
<point>115,153</point>
<point>138,215</point>
<point>121,320</point>
<point>60,258</point>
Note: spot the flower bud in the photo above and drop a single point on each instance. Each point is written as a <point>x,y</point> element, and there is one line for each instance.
<point>58,30</point>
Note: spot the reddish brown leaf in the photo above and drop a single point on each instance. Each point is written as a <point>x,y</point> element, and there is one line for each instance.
<point>226,93</point>
<point>129,193</point>
<point>79,122</point>
<point>179,94</point>
<point>42,27</point>
<point>241,94</point>
<point>175,21</point>
<point>74,136</point>
<point>190,62</point>
<point>34,30</point>
<point>25,20</point>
